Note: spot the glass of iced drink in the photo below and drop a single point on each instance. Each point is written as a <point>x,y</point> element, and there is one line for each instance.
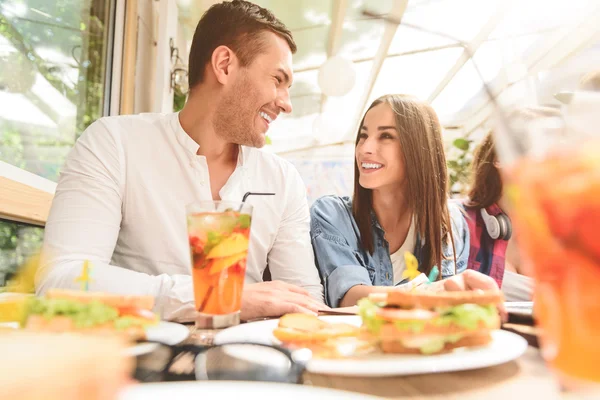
<point>219,234</point>
<point>552,171</point>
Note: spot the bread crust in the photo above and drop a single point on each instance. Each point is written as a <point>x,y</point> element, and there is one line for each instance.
<point>480,338</point>
<point>110,299</point>
<point>430,300</point>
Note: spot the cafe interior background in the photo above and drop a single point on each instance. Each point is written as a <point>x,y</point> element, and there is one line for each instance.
<point>65,63</point>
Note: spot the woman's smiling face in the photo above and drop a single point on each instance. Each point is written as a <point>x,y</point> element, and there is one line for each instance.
<point>378,151</point>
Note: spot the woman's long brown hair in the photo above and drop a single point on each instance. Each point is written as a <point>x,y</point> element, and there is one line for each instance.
<point>426,174</point>
<point>486,182</point>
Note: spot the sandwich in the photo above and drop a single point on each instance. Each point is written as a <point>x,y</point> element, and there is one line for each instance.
<point>430,322</point>
<point>90,312</point>
<point>63,367</point>
<point>301,329</point>
<point>324,339</point>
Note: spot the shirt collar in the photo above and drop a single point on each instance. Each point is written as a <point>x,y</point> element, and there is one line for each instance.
<point>182,137</point>
<point>192,147</point>
<point>243,155</point>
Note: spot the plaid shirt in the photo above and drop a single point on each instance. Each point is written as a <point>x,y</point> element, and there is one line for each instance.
<point>486,255</point>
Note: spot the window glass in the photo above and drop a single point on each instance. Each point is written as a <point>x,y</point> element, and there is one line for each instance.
<point>53,81</point>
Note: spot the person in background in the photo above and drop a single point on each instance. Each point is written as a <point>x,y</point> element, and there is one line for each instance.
<point>493,249</point>
<point>400,204</point>
<point>121,198</point>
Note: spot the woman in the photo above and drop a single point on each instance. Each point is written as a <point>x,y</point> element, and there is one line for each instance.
<point>493,248</point>
<point>400,204</point>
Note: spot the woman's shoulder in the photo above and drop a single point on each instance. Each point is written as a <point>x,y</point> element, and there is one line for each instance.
<point>458,217</point>
<point>332,211</point>
<point>331,205</point>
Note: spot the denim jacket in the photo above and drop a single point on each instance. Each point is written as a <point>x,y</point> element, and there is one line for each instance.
<point>342,261</point>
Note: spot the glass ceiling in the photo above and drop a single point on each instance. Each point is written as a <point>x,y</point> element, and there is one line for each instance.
<point>512,41</point>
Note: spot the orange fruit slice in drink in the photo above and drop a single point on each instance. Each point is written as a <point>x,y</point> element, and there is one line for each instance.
<point>234,244</point>
<point>219,264</point>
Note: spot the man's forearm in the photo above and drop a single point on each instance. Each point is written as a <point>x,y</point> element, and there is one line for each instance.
<point>173,294</point>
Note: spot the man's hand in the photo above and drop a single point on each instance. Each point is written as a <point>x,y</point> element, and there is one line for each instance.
<point>273,299</point>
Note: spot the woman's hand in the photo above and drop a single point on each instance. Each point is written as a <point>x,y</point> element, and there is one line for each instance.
<point>473,280</point>
<point>469,280</point>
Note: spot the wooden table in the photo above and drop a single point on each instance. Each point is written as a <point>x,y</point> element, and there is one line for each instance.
<point>526,377</point>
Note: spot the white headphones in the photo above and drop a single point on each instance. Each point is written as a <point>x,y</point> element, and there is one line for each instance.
<point>498,226</point>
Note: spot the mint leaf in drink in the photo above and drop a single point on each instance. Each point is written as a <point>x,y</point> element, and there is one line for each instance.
<point>213,238</point>
<point>244,221</point>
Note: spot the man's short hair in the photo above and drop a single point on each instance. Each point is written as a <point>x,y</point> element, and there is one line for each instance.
<point>237,24</point>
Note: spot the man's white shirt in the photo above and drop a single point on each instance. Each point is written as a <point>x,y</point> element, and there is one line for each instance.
<point>121,203</point>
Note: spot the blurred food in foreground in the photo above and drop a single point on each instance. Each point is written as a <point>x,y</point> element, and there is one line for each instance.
<point>90,312</point>
<point>557,209</point>
<point>24,279</point>
<point>13,306</point>
<point>66,367</point>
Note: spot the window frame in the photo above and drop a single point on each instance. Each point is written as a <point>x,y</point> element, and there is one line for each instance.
<point>26,197</point>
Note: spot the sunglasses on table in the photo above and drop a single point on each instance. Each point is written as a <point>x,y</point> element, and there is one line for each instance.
<point>232,361</point>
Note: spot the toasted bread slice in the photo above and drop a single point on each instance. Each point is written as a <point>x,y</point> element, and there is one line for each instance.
<point>429,300</point>
<point>302,322</point>
<point>110,299</point>
<point>290,335</point>
<point>300,328</point>
<point>477,339</point>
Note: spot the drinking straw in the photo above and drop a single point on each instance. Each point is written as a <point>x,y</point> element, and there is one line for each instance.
<point>253,194</point>
<point>433,274</point>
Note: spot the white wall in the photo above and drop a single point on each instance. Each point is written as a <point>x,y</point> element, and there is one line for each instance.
<point>167,28</point>
<point>145,64</point>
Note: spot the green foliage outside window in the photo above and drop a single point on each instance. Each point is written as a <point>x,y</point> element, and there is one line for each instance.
<point>459,163</point>
<point>63,43</point>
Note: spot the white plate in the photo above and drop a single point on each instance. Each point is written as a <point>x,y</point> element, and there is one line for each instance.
<point>230,390</point>
<point>505,346</point>
<point>169,333</point>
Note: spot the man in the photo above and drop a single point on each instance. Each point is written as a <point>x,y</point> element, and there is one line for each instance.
<point>120,201</point>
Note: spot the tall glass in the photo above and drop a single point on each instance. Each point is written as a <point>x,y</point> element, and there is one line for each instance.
<point>219,234</point>
<point>551,162</point>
